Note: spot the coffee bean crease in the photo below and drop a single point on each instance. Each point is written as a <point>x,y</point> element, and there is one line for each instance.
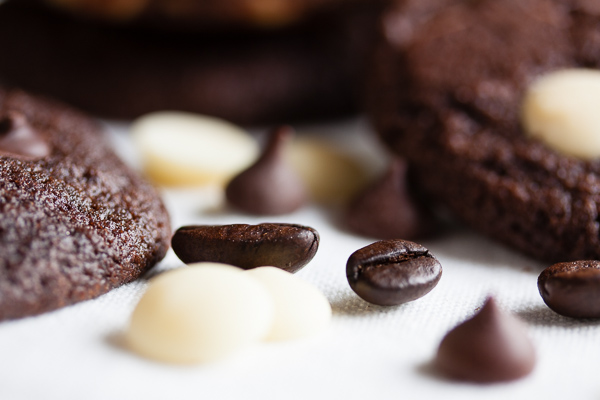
<point>392,272</point>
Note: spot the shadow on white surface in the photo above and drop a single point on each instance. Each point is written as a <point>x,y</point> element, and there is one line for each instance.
<point>428,370</point>
<point>543,316</point>
<point>350,304</point>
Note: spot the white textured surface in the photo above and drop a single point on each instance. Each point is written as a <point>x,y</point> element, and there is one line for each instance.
<point>370,352</point>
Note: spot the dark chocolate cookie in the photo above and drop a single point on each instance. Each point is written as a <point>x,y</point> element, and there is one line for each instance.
<point>249,77</point>
<point>75,222</point>
<point>447,84</point>
<point>199,14</point>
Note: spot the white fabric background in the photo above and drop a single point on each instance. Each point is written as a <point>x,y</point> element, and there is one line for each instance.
<point>370,352</point>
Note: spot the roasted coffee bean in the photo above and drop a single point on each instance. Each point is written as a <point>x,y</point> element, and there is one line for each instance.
<point>392,272</point>
<point>572,288</point>
<point>286,246</point>
<point>492,346</point>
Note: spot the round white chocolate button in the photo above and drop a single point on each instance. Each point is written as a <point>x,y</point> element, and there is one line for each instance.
<point>562,109</point>
<point>200,313</point>
<point>331,176</point>
<point>301,310</point>
<point>187,149</point>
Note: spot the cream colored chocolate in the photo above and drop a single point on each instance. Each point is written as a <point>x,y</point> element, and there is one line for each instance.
<point>331,176</point>
<point>200,313</point>
<point>184,149</point>
<point>562,109</point>
<point>301,310</point>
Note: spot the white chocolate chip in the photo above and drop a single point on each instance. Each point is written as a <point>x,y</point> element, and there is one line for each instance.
<point>187,149</point>
<point>331,176</point>
<point>200,313</point>
<point>301,310</point>
<point>562,109</point>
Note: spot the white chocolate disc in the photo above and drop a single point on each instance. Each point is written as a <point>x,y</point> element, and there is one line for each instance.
<point>180,148</point>
<point>562,109</point>
<point>331,176</point>
<point>200,313</point>
<point>301,310</point>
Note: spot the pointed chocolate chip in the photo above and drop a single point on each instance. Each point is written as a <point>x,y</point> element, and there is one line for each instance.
<point>286,246</point>
<point>19,139</point>
<point>492,346</point>
<point>270,186</point>
<point>388,210</point>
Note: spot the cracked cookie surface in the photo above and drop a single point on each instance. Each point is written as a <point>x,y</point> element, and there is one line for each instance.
<point>75,222</point>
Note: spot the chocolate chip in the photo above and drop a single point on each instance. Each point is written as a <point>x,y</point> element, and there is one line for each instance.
<point>6,125</point>
<point>388,210</point>
<point>286,246</point>
<point>19,139</point>
<point>270,186</point>
<point>572,288</point>
<point>492,346</point>
<point>392,272</point>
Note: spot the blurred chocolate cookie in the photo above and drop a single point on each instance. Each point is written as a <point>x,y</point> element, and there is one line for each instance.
<point>308,71</point>
<point>446,92</point>
<point>200,14</point>
<point>75,222</point>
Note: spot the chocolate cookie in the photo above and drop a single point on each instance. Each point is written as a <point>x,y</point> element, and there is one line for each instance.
<point>75,222</point>
<point>446,89</point>
<point>199,14</point>
<point>249,77</point>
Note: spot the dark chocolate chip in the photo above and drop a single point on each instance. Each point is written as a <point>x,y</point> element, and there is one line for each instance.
<point>388,210</point>
<point>572,288</point>
<point>270,186</point>
<point>392,272</point>
<point>286,246</point>
<point>19,139</point>
<point>492,346</point>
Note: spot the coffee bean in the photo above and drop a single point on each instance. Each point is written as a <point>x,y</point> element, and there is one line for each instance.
<point>391,272</point>
<point>286,246</point>
<point>572,288</point>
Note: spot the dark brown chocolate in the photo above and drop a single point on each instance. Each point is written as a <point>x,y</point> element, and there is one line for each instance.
<point>389,210</point>
<point>492,346</point>
<point>270,186</point>
<point>19,139</point>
